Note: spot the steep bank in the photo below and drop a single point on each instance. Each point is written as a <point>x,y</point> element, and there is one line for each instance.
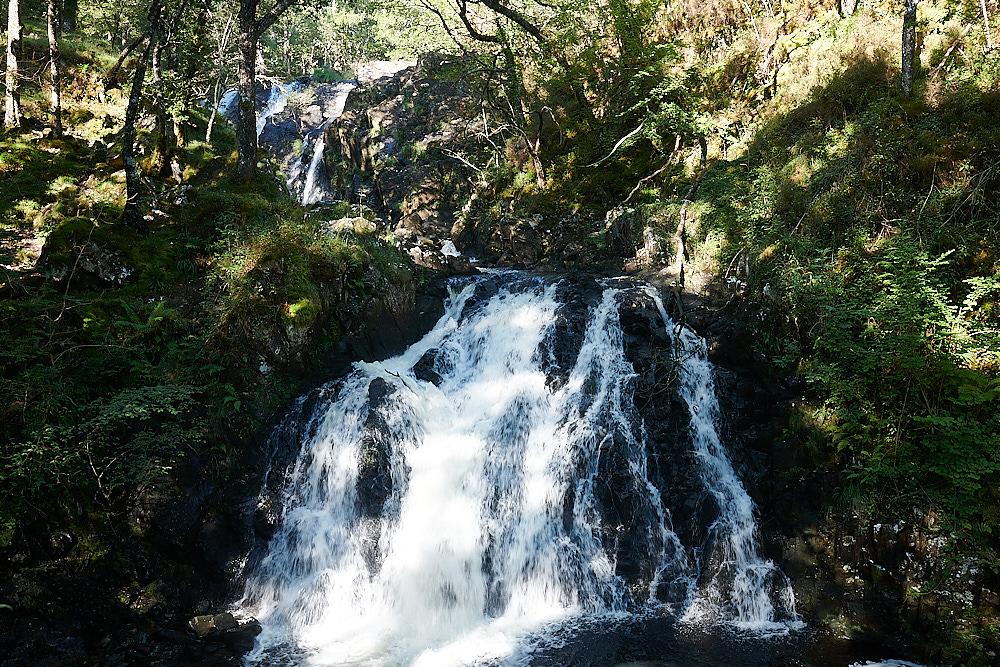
<point>138,369</point>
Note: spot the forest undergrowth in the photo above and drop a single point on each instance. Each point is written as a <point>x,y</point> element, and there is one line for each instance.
<point>128,351</point>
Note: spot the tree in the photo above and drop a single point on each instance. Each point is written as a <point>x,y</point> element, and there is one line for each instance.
<point>222,47</point>
<point>847,7</point>
<point>250,30</point>
<point>909,46</point>
<point>68,12</point>
<point>165,135</point>
<point>53,29</point>
<point>132,215</point>
<point>986,25</point>
<point>12,100</point>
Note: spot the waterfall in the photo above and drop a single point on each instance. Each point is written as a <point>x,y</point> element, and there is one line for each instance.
<point>308,178</point>
<point>745,589</point>
<point>276,102</point>
<point>447,502</point>
<point>307,175</point>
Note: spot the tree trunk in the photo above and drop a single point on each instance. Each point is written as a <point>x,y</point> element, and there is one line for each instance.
<point>847,7</point>
<point>220,71</point>
<point>53,26</point>
<point>161,152</point>
<point>12,100</point>
<point>246,122</point>
<point>67,16</point>
<point>251,28</point>
<point>909,46</point>
<point>986,25</point>
<point>132,215</point>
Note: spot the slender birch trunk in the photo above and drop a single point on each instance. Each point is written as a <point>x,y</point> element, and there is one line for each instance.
<point>986,25</point>
<point>909,46</point>
<point>12,99</point>
<point>53,29</point>
<point>132,215</point>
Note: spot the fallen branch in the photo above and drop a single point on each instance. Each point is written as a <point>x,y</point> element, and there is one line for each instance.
<point>452,154</point>
<point>111,78</point>
<point>951,48</point>
<point>617,146</point>
<point>647,178</point>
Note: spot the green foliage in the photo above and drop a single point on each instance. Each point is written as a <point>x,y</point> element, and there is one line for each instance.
<point>330,39</point>
<point>913,396</point>
<point>129,438</point>
<point>327,75</point>
<point>663,100</point>
<point>100,392</point>
<point>103,388</point>
<point>278,275</point>
<point>868,225</point>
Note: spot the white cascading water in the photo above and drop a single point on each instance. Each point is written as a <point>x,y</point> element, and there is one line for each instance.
<point>746,590</point>
<point>312,188</point>
<point>276,102</point>
<point>491,528</point>
<point>307,177</point>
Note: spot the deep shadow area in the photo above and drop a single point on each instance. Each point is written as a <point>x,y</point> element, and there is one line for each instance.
<point>662,641</point>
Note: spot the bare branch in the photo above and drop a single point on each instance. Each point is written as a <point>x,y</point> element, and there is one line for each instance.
<point>267,20</point>
<point>447,28</point>
<point>618,145</point>
<point>475,34</point>
<point>517,18</point>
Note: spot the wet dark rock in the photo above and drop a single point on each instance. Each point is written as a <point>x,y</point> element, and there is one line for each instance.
<point>202,625</point>
<point>168,512</point>
<point>224,621</point>
<point>424,369</point>
<point>222,541</point>
<point>578,295</point>
<point>61,543</point>
<point>392,323</point>
<point>374,485</point>
<point>286,438</point>
<point>240,639</point>
<point>265,517</point>
<point>461,266</point>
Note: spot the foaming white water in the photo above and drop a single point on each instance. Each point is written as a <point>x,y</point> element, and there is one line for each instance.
<point>307,175</point>
<point>490,527</point>
<point>745,589</point>
<point>313,188</point>
<point>276,102</point>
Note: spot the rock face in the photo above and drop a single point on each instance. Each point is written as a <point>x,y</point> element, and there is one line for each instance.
<point>399,147</point>
<point>413,148</point>
<point>888,579</point>
<point>896,581</point>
